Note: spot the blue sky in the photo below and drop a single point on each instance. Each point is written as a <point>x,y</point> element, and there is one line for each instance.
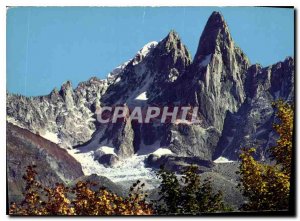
<point>47,46</point>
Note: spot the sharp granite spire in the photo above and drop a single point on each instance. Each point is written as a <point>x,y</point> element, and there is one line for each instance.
<point>215,37</point>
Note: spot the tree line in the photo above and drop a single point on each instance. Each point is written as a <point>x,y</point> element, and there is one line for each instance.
<point>266,187</point>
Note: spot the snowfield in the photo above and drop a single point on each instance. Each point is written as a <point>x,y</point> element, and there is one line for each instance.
<point>144,51</point>
<point>107,150</point>
<point>162,151</point>
<point>125,170</point>
<point>223,160</point>
<point>53,137</point>
<point>14,122</point>
<point>142,96</point>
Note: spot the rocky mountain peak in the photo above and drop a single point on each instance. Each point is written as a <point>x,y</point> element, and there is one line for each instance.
<point>215,37</point>
<point>171,60</point>
<point>233,98</point>
<point>218,70</point>
<point>54,94</point>
<point>66,92</point>
<point>172,42</point>
<point>172,35</point>
<point>55,91</point>
<point>143,52</point>
<point>66,89</point>
<point>216,20</point>
<point>66,86</point>
<point>172,50</point>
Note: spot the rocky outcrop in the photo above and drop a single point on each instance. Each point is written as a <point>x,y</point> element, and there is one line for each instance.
<point>252,125</point>
<point>171,60</point>
<point>191,140</point>
<point>178,164</point>
<point>214,82</point>
<point>67,114</point>
<point>54,164</point>
<point>154,69</point>
<point>234,100</point>
<point>218,73</point>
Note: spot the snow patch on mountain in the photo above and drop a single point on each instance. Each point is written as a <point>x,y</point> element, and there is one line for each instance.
<point>107,150</point>
<point>118,80</point>
<point>163,151</point>
<point>147,48</point>
<point>206,60</point>
<point>140,93</point>
<point>53,137</point>
<point>14,122</point>
<point>118,69</point>
<point>223,160</point>
<point>142,96</point>
<point>144,51</point>
<point>124,170</point>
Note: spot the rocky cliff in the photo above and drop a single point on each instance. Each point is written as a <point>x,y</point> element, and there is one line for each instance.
<point>234,99</point>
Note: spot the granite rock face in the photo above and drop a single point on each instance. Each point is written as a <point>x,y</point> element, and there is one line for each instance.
<point>218,73</point>
<point>252,124</point>
<point>234,99</point>
<point>67,114</point>
<point>214,82</point>
<point>154,69</point>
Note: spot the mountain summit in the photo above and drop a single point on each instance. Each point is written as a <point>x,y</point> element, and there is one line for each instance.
<point>215,36</point>
<point>234,100</point>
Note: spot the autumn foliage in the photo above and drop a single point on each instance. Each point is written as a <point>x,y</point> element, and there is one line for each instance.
<point>267,186</point>
<point>282,152</point>
<point>186,195</point>
<point>78,200</point>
